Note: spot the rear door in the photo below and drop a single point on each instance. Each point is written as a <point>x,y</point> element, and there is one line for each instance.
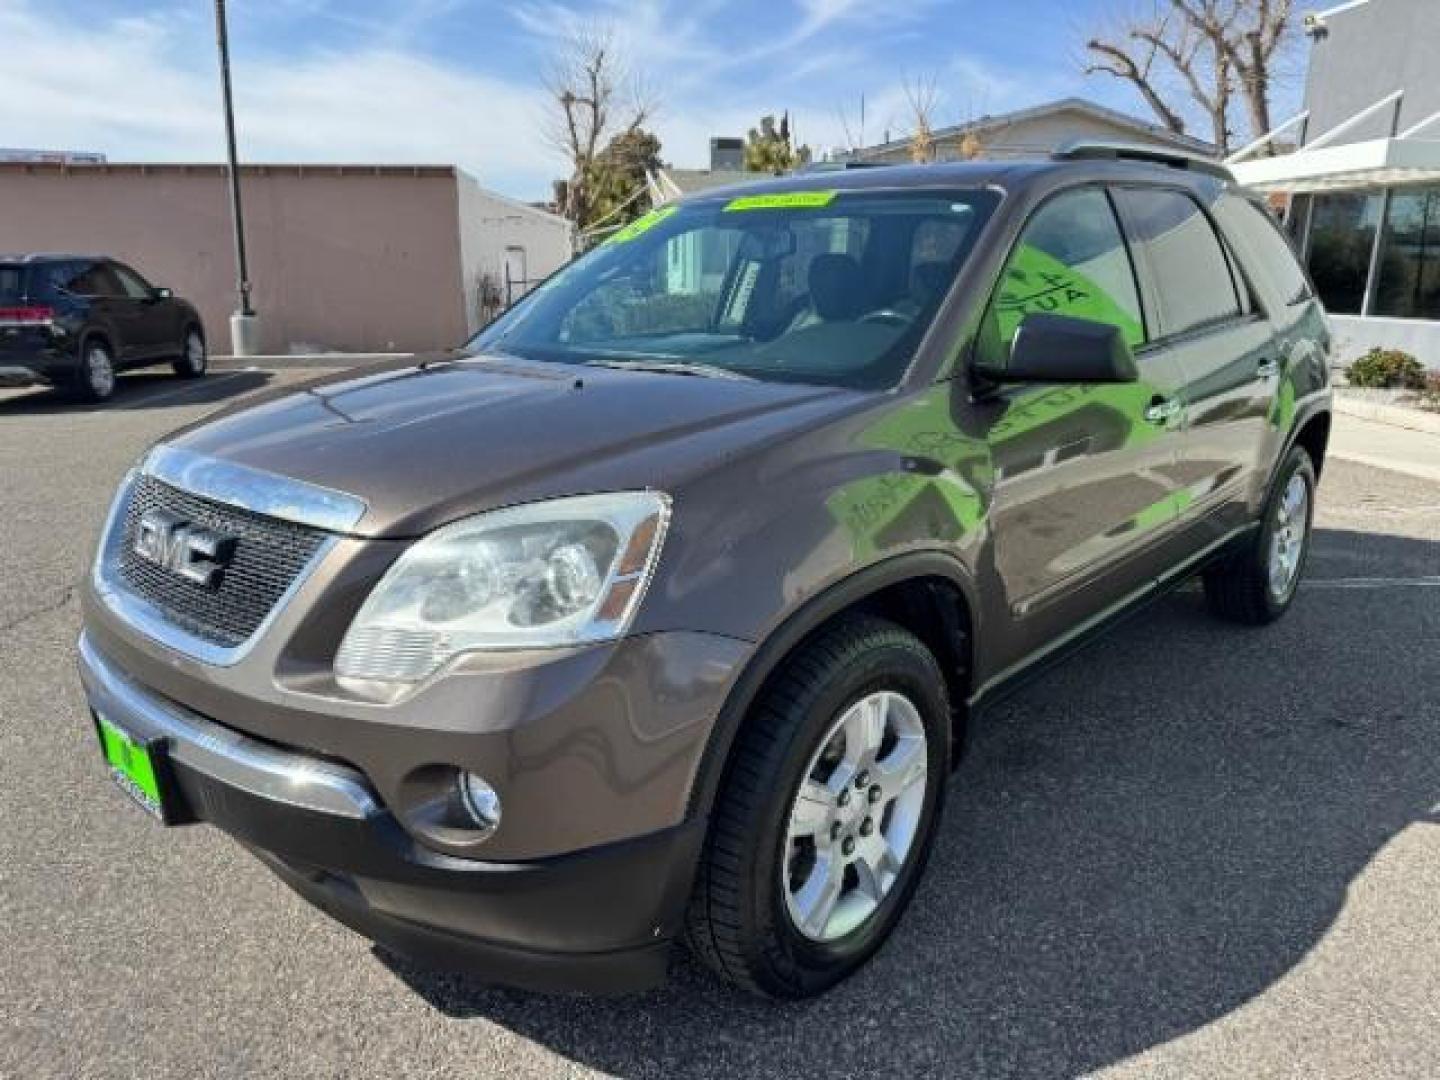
<point>111,310</point>
<point>1084,473</point>
<point>1208,324</point>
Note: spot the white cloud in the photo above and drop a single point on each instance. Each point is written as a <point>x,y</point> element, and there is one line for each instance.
<point>146,88</point>
<point>143,89</point>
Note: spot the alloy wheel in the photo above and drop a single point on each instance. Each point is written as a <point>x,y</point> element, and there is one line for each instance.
<point>853,823</point>
<point>99,371</point>
<point>195,358</point>
<point>1287,540</point>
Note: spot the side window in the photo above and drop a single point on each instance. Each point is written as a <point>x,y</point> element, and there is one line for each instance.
<point>1070,260</point>
<point>131,282</point>
<point>1187,265</point>
<point>96,279</point>
<point>1275,260</point>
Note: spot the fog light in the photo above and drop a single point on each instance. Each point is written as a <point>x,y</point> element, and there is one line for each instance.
<point>481,801</point>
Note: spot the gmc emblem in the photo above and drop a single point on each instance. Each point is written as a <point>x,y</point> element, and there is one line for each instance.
<point>193,552</point>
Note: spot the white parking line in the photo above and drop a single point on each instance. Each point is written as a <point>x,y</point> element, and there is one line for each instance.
<point>1372,582</point>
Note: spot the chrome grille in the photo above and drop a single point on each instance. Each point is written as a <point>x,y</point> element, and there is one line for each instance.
<point>269,555</point>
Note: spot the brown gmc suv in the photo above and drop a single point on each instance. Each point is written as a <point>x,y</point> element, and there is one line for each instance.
<point>660,609</point>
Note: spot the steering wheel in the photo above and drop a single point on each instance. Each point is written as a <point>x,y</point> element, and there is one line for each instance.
<point>886,315</point>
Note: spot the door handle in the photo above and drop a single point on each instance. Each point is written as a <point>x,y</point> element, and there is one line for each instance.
<point>1268,369</point>
<point>1162,410</point>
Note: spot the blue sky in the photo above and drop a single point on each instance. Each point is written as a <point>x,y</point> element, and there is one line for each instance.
<point>462,80</point>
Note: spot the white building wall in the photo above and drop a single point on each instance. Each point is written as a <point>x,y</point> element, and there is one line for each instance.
<point>490,225</point>
<point>1355,336</point>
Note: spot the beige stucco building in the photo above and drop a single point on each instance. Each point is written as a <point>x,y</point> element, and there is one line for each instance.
<point>364,258</point>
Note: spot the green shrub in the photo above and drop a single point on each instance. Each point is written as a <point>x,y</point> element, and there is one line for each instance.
<point>1387,369</point>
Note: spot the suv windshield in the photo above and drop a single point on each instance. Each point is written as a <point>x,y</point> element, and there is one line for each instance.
<point>835,288</point>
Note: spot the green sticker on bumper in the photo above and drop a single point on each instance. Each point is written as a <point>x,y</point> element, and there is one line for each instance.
<point>790,200</point>
<point>641,225</point>
<point>131,764</point>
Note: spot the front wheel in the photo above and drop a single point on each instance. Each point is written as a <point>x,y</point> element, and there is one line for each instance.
<point>824,821</point>
<point>1257,584</point>
<point>193,360</point>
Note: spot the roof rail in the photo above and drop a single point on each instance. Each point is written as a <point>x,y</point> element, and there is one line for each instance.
<point>841,166</point>
<point>1086,150</point>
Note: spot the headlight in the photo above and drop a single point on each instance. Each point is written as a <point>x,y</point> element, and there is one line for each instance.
<point>561,572</point>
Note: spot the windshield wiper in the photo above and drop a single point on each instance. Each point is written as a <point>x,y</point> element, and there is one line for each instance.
<point>683,367</point>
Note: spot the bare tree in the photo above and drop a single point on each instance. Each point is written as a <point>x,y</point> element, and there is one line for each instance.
<point>921,96</point>
<point>1134,62</point>
<point>1252,37</point>
<point>1208,50</point>
<point>594,100</point>
<point>854,134</point>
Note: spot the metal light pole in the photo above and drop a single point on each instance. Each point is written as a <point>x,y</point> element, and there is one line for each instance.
<point>244,324</point>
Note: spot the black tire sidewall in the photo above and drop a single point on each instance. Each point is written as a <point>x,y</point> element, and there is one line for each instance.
<point>810,966</point>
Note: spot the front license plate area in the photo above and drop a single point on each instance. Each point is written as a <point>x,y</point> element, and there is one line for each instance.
<point>141,769</point>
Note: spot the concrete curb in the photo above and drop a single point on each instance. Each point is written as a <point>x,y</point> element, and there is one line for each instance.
<point>1393,415</point>
<point>322,361</point>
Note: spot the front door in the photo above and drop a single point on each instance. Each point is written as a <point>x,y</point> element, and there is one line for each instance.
<point>1085,474</point>
<point>155,330</point>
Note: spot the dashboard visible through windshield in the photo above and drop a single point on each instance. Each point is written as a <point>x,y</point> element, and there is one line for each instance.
<point>828,287</point>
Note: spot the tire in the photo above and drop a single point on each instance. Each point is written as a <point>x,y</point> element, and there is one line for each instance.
<point>750,900</point>
<point>193,360</point>
<point>1257,584</point>
<point>95,379</point>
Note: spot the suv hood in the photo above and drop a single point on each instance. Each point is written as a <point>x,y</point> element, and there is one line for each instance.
<point>427,444</point>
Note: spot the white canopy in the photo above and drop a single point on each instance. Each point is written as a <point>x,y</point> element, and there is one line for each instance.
<point>1376,163</point>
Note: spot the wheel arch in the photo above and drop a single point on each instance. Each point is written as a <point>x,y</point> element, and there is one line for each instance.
<point>929,593</point>
<point>1313,433</point>
<point>100,334</point>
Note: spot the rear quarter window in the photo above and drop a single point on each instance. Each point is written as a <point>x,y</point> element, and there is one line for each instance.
<point>12,283</point>
<point>1265,249</point>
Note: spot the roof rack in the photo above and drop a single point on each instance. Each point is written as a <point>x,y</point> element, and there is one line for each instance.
<point>1086,150</point>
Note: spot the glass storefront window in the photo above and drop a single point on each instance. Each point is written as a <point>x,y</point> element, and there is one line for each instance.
<point>1342,234</point>
<point>1409,286</point>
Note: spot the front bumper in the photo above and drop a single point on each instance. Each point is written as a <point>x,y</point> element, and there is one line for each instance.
<point>599,920</point>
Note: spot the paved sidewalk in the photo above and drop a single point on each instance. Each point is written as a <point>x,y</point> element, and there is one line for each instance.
<point>1383,446</point>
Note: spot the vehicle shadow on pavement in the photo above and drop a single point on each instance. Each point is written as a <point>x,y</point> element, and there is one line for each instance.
<point>1137,844</point>
<point>139,390</point>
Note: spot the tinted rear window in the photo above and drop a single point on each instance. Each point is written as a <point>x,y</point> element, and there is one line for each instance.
<point>1188,268</point>
<point>12,283</point>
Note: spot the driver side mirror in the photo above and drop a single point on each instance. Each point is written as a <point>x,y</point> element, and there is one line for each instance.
<point>1061,349</point>
<point>161,293</point>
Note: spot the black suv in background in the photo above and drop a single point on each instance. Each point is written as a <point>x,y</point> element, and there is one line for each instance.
<point>73,321</point>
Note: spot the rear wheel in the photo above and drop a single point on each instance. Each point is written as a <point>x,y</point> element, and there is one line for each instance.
<point>1257,584</point>
<point>824,822</point>
<point>95,381</point>
<point>194,360</point>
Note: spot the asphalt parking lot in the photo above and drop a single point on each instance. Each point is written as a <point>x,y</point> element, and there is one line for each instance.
<point>1193,851</point>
